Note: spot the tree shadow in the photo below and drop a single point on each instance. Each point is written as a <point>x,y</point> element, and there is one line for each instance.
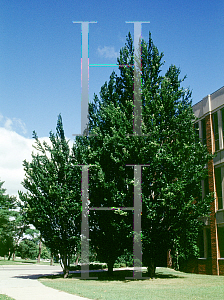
<point>118,275</point>
<point>162,275</point>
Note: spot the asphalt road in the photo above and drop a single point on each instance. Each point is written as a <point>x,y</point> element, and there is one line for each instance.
<point>20,282</point>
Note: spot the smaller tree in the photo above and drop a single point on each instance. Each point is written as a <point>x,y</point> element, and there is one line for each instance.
<point>52,202</point>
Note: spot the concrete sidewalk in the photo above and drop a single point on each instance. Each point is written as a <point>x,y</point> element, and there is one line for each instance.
<point>20,282</point>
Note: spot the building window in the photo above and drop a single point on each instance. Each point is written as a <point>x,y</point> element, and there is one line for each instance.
<point>196,129</point>
<point>218,185</point>
<point>201,244</point>
<point>208,242</point>
<point>203,129</point>
<point>215,130</point>
<point>204,243</point>
<point>221,241</point>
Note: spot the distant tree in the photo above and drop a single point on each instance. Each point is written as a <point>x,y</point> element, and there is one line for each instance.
<point>19,227</point>
<point>45,252</point>
<point>27,248</point>
<point>7,222</point>
<point>53,198</point>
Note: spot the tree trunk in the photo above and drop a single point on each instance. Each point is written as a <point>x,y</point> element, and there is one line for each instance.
<point>13,256</point>
<point>51,263</point>
<point>39,254</point>
<point>110,267</point>
<point>65,261</point>
<point>77,260</point>
<point>10,255</point>
<point>151,269</point>
<point>169,259</point>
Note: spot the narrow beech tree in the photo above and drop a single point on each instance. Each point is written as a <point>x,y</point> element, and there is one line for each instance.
<point>52,201</point>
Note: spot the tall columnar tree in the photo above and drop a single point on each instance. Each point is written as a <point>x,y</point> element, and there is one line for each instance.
<point>171,184</point>
<point>173,198</point>
<point>52,202</point>
<point>110,231</point>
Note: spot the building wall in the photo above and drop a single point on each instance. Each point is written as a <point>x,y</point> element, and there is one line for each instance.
<point>210,117</point>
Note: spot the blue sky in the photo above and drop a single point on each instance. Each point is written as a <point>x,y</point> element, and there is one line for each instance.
<point>40,53</point>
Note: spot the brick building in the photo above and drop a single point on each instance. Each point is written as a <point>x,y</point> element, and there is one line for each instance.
<point>210,122</point>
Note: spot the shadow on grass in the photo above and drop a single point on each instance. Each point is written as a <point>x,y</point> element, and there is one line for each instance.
<point>36,276</point>
<point>118,275</point>
<point>162,275</point>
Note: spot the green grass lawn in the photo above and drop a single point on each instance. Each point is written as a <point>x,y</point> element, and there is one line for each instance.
<point>168,284</point>
<point>15,262</point>
<point>18,261</point>
<point>4,297</point>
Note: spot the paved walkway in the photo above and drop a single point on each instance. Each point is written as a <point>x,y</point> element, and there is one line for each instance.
<point>20,282</point>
